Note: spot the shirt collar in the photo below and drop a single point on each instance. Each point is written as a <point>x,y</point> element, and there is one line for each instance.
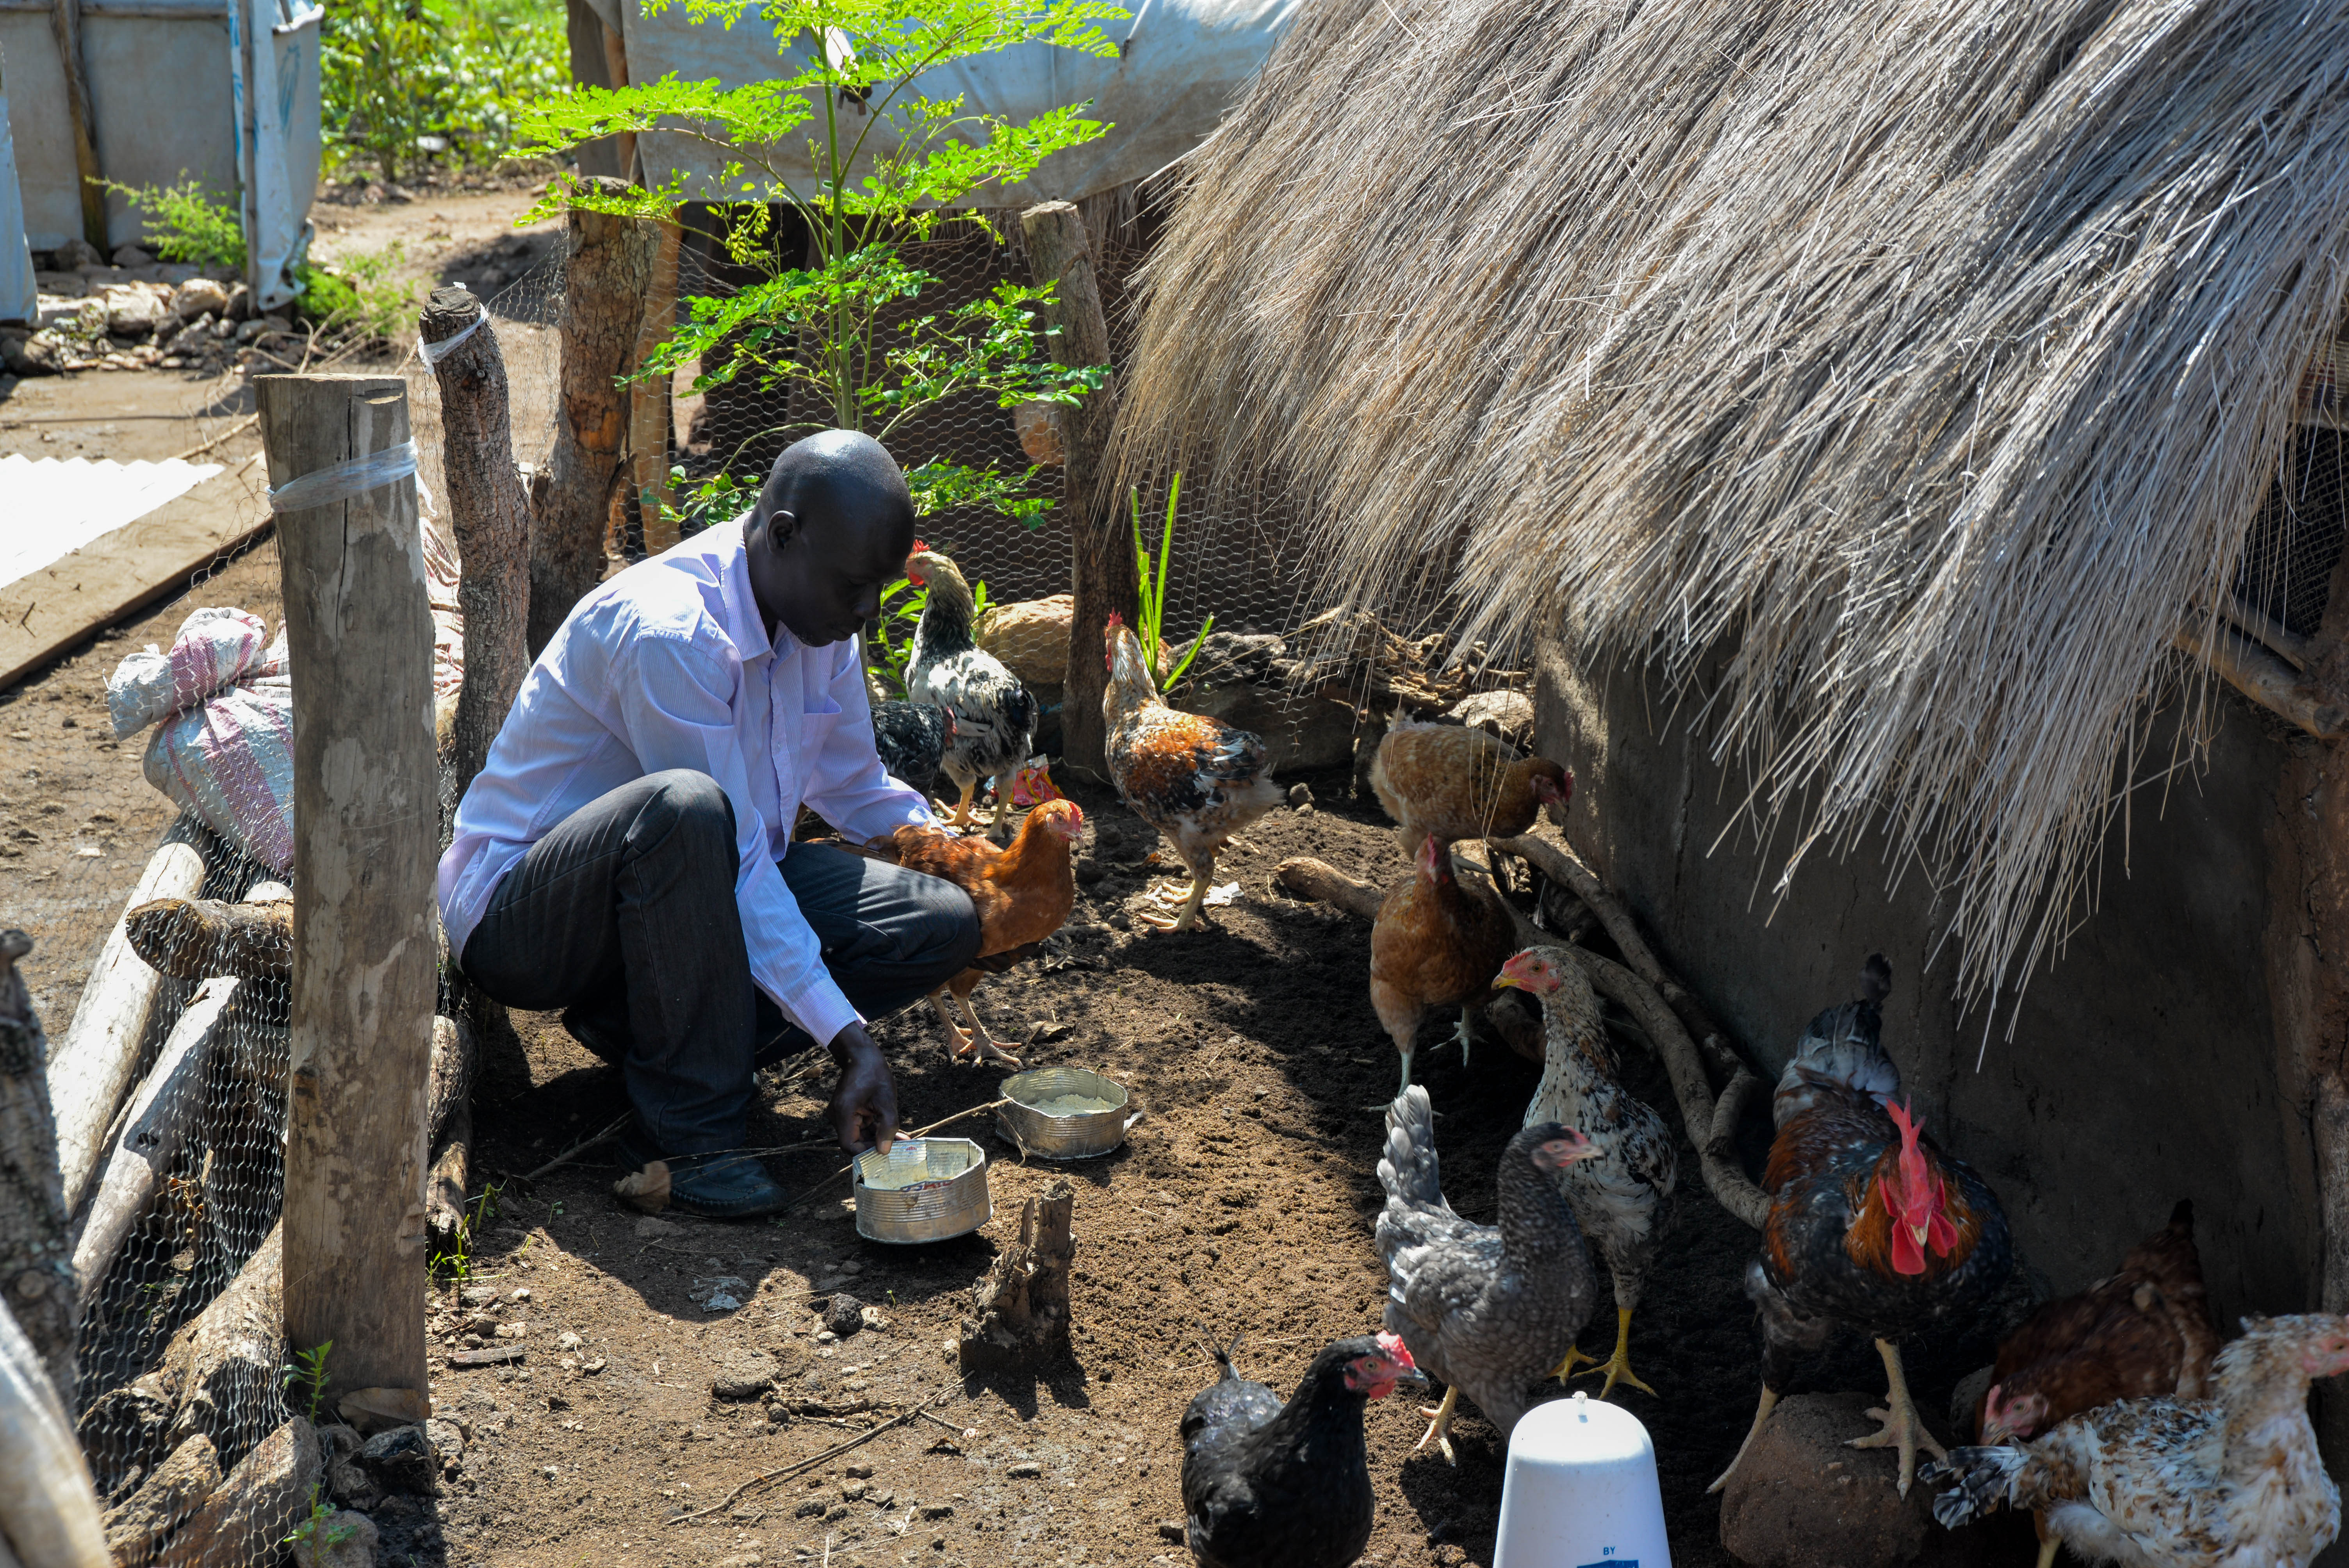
<point>751,633</point>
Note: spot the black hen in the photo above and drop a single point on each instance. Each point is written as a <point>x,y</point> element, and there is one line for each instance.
<point>1268,1485</point>
<point>911,737</point>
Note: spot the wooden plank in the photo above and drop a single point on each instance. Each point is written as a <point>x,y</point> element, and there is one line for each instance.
<point>366,835</point>
<point>46,613</point>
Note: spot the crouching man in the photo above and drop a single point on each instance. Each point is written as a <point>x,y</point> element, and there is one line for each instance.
<point>626,854</point>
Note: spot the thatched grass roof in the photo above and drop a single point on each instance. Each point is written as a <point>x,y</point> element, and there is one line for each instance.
<point>1930,357</point>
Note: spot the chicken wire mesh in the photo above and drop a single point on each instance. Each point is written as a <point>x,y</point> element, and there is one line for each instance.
<point>183,1403</point>
<point>2297,537</point>
<point>1236,561</point>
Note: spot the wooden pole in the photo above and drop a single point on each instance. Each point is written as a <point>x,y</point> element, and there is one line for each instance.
<point>1102,566</point>
<point>648,399</point>
<point>492,512</point>
<point>35,1250</point>
<point>365,833</point>
<point>65,26</point>
<point>604,282</point>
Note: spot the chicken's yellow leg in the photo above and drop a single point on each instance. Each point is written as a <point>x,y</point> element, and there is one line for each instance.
<point>984,1044</point>
<point>1761,1414</point>
<point>1616,1366</point>
<point>1440,1426</point>
<point>2047,1544</point>
<point>1902,1429</point>
<point>962,809</point>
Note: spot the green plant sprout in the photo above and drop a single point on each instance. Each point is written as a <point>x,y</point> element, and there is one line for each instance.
<point>456,1260</point>
<point>308,1372</point>
<point>1152,591</point>
<point>871,166</point>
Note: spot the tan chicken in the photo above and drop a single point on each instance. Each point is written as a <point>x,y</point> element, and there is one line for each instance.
<point>1438,943</point>
<point>1022,893</point>
<point>1195,779</point>
<point>1460,783</point>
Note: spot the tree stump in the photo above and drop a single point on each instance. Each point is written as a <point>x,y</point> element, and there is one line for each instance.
<point>605,284</point>
<point>491,512</point>
<point>1019,1310</point>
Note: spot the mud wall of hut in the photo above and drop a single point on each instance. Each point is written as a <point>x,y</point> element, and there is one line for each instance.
<point>2142,1068</point>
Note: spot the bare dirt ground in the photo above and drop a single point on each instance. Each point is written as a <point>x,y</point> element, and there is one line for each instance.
<point>1241,1204</point>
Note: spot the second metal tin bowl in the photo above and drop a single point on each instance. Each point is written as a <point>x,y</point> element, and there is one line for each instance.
<point>1048,1135</point>
<point>951,1201</point>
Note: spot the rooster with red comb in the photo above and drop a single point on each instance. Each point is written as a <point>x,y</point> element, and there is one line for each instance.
<point>1871,1225</point>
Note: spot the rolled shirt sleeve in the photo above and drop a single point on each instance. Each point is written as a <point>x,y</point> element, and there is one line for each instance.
<point>678,713</point>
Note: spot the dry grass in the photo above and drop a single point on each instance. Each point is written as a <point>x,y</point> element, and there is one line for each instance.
<point>1926,359</point>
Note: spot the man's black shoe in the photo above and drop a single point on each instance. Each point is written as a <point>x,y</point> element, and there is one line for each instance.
<point>715,1186</point>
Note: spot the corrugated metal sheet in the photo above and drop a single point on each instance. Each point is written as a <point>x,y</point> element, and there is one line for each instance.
<point>18,299</point>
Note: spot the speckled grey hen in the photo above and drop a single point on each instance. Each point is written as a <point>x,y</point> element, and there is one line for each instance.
<point>1623,1194</point>
<point>1485,1309</point>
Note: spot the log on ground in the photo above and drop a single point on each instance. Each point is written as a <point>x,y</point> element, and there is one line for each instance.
<point>256,1505</point>
<point>161,1116</point>
<point>92,1072</point>
<point>196,938</point>
<point>231,1357</point>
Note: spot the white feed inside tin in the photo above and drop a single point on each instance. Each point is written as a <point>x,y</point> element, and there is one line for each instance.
<point>1581,1490</point>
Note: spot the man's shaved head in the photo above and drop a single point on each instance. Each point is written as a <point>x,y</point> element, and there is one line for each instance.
<point>832,525</point>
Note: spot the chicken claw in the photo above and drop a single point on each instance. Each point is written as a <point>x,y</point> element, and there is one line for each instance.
<point>1460,1036</point>
<point>1761,1414</point>
<point>1439,1426</point>
<point>1901,1428</point>
<point>1192,905</point>
<point>981,1041</point>
<point>1616,1366</point>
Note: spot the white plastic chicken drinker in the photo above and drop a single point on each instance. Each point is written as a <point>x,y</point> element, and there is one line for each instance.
<point>1581,1490</point>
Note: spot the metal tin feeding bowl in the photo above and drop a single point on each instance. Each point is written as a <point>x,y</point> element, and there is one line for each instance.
<point>922,1190</point>
<point>1027,1120</point>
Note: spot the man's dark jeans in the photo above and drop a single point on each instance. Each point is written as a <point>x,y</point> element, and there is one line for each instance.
<point>624,915</point>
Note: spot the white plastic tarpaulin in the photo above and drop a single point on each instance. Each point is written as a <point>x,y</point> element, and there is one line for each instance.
<point>1181,64</point>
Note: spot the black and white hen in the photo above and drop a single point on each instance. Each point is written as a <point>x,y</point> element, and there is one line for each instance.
<point>1485,1309</point>
<point>912,739</point>
<point>1268,1485</point>
<point>995,716</point>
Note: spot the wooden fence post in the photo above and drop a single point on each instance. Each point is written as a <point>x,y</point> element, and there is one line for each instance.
<point>366,829</point>
<point>603,287</point>
<point>1102,569</point>
<point>65,26</point>
<point>491,512</point>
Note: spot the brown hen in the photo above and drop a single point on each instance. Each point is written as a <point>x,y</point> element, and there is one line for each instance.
<point>1438,943</point>
<point>2143,1332</point>
<point>1022,893</point>
<point>1459,783</point>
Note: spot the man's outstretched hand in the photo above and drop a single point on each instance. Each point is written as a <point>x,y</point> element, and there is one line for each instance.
<point>864,1106</point>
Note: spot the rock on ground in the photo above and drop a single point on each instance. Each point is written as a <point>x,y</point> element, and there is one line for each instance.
<point>340,1540</point>
<point>401,1460</point>
<point>257,1505</point>
<point>1803,1500</point>
<point>745,1376</point>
